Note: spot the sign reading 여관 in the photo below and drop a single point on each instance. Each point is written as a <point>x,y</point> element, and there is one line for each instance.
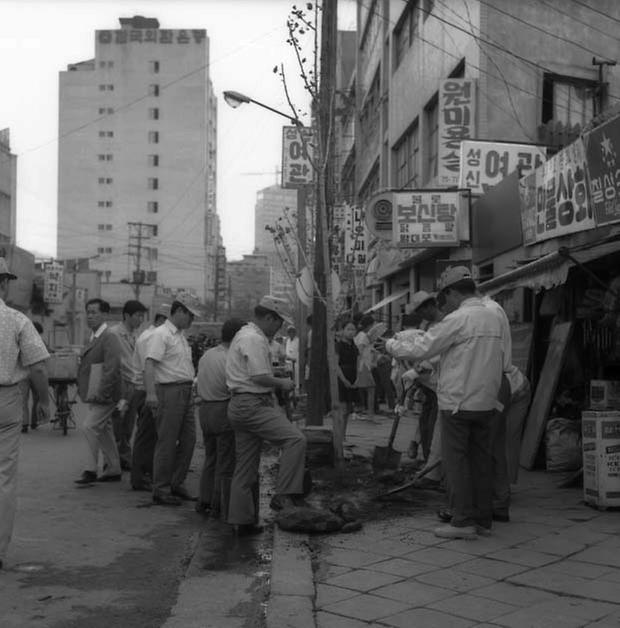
<point>151,36</point>
<point>456,120</point>
<point>554,198</point>
<point>425,218</point>
<point>485,164</point>
<point>296,160</point>
<point>53,284</point>
<point>602,147</point>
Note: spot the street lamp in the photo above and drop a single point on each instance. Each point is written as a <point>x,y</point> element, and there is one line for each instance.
<point>236,99</point>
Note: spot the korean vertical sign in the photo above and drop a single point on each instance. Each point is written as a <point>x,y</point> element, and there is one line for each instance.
<point>456,111</point>
<point>53,285</point>
<point>297,145</point>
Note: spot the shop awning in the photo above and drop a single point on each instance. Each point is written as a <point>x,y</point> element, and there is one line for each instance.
<point>390,299</point>
<point>547,271</point>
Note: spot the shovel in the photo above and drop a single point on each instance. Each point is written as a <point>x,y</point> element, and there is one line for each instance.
<point>404,487</point>
<point>387,457</point>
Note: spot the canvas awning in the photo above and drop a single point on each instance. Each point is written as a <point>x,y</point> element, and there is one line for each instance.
<point>387,300</point>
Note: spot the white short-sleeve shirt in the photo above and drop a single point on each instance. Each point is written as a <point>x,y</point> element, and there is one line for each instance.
<point>248,356</point>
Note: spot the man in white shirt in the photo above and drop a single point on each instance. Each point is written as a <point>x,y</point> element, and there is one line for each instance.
<point>168,378</point>
<point>469,343</point>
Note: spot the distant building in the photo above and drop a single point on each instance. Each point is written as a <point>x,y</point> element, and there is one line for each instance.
<point>137,158</point>
<point>248,281</point>
<point>8,182</point>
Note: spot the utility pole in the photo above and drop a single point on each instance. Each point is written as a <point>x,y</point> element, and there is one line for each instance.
<point>601,88</point>
<point>138,232</point>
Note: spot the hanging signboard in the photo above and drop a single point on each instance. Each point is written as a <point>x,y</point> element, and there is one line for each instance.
<point>379,216</point>
<point>355,240</point>
<point>554,198</point>
<point>426,218</point>
<point>602,146</point>
<point>456,122</point>
<point>53,286</point>
<point>296,160</point>
<point>485,164</point>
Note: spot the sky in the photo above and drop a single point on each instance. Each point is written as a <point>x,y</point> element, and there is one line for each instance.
<point>39,38</point>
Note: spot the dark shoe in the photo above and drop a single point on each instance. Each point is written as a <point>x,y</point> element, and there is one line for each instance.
<point>444,515</point>
<point>167,500</point>
<point>282,502</point>
<point>24,429</point>
<point>501,516</point>
<point>183,493</point>
<point>248,529</point>
<point>110,478</point>
<point>125,466</point>
<point>145,486</point>
<point>202,508</point>
<point>88,477</point>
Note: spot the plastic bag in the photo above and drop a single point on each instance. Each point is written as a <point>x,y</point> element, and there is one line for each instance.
<point>563,440</point>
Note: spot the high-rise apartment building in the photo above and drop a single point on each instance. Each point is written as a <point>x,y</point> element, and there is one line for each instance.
<point>137,158</point>
<point>8,178</point>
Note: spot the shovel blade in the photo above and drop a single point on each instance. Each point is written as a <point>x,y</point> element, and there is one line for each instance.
<point>386,458</point>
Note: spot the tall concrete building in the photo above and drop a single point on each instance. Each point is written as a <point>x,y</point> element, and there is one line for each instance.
<point>8,179</point>
<point>137,158</point>
<point>248,281</point>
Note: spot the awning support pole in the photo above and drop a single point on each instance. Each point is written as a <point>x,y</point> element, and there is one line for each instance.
<point>564,252</point>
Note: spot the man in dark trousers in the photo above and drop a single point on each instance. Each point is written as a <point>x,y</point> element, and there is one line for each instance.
<point>99,386</point>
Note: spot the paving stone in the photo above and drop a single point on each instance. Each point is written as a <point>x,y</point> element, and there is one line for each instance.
<point>413,593</point>
<point>553,544</point>
<point>496,569</point>
<point>611,576</point>
<point>327,594</point>
<point>427,618</point>
<point>329,620</point>
<point>512,594</point>
<point>582,534</point>
<point>600,554</point>
<point>438,556</point>
<point>472,607</point>
<point>581,569</point>
<point>455,580</point>
<point>520,556</point>
<point>403,567</point>
<point>363,580</point>
<point>352,558</point>
<point>366,607</point>
<point>327,571</point>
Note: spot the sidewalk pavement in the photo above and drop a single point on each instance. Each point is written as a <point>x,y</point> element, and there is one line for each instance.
<point>556,563</point>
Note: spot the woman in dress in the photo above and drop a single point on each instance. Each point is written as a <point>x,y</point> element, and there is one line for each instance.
<point>347,369</point>
<point>365,380</point>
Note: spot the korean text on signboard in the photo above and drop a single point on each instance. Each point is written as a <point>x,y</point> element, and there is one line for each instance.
<point>426,218</point>
<point>151,35</point>
<point>456,122</point>
<point>602,147</point>
<point>53,286</point>
<point>296,156</point>
<point>485,164</point>
<point>355,240</point>
<point>554,198</point>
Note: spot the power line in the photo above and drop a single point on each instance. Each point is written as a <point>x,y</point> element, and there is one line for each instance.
<point>576,19</point>
<point>605,15</point>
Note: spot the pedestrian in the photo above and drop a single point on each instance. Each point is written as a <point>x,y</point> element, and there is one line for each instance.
<point>365,381</point>
<point>217,432</point>
<point>30,416</point>
<point>124,416</point>
<point>22,356</point>
<point>146,435</point>
<point>255,418</point>
<point>346,370</point>
<point>469,343</point>
<point>99,386</point>
<point>168,379</point>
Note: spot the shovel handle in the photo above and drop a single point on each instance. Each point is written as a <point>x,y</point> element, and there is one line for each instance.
<point>393,432</point>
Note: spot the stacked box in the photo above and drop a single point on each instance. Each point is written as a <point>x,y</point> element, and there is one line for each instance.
<point>604,394</point>
<point>601,458</point>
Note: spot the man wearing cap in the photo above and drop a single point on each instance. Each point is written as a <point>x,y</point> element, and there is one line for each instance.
<point>168,378</point>
<point>99,386</point>
<point>469,343</point>
<point>22,356</point>
<point>146,436</point>
<point>255,418</point>
<point>125,414</point>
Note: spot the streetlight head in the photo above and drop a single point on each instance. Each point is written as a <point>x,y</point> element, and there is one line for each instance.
<point>234,99</point>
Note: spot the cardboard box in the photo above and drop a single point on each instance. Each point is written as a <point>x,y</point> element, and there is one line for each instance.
<point>601,458</point>
<point>604,394</point>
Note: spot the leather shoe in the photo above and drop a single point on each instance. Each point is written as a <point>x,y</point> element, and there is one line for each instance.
<point>248,529</point>
<point>145,486</point>
<point>501,516</point>
<point>282,502</point>
<point>167,500</point>
<point>202,508</point>
<point>117,477</point>
<point>183,493</point>
<point>444,515</point>
<point>88,477</point>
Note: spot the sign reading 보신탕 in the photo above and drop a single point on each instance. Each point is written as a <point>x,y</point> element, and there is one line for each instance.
<point>554,198</point>
<point>456,122</point>
<point>425,218</point>
<point>602,148</point>
<point>152,36</point>
<point>485,164</point>
<point>296,161</point>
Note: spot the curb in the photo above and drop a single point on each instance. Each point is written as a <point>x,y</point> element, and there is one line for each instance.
<point>291,598</point>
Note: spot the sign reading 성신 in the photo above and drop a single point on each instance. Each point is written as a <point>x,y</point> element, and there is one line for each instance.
<point>296,160</point>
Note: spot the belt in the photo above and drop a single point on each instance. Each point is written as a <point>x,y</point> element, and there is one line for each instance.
<point>188,382</point>
<point>258,394</point>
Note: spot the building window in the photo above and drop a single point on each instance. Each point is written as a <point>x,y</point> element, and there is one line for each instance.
<point>152,207</point>
<point>153,137</point>
<point>369,115</point>
<point>153,160</point>
<point>154,67</point>
<point>107,274</point>
<point>104,180</point>
<point>567,99</point>
<point>108,227</point>
<point>104,157</point>
<point>153,183</point>
<point>154,89</point>
<point>153,113</point>
<point>106,64</point>
<point>431,114</point>
<point>406,159</point>
<point>405,31</point>
<point>106,133</point>
<point>106,249</point>
<point>155,231</point>
<point>106,87</point>
<point>151,253</point>
<point>151,276</point>
<point>106,110</point>
<point>100,227</point>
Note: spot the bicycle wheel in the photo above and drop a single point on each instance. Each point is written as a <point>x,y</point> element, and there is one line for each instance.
<point>63,410</point>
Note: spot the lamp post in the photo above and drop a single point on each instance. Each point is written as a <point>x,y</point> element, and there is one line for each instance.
<point>236,99</point>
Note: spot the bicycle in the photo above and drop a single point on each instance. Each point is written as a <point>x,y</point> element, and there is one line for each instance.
<point>63,417</point>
